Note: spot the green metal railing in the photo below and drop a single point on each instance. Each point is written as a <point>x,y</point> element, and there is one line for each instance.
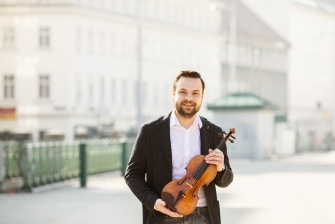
<point>12,152</point>
<point>103,155</point>
<point>49,162</point>
<point>127,147</point>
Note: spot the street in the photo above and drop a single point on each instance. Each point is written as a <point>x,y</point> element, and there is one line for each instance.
<point>292,190</point>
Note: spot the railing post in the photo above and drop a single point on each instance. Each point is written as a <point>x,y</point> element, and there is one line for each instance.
<point>123,156</point>
<point>2,163</point>
<point>82,164</point>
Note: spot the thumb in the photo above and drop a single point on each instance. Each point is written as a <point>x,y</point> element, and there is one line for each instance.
<point>210,150</point>
<point>161,202</point>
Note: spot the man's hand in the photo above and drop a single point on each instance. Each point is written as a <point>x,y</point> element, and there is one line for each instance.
<point>215,157</point>
<point>160,206</point>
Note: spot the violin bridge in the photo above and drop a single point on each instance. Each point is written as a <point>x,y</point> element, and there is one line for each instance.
<point>189,185</point>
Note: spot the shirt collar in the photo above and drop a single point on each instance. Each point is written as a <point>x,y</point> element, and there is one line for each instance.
<point>174,120</point>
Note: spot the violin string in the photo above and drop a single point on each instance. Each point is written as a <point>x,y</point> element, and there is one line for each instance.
<point>200,171</point>
<point>196,175</point>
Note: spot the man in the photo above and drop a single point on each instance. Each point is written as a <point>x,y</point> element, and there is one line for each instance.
<point>163,149</point>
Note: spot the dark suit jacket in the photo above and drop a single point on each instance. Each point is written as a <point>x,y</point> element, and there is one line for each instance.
<point>150,166</point>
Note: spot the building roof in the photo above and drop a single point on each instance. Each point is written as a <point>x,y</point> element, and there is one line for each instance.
<point>326,5</point>
<point>241,101</point>
<point>250,26</point>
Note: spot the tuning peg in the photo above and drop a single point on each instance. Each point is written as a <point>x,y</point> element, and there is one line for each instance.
<point>231,141</point>
<point>233,137</point>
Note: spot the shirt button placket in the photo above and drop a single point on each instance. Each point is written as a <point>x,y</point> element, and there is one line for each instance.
<point>187,148</point>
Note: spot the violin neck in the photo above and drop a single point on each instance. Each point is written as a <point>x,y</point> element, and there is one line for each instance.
<point>221,143</point>
<point>200,170</point>
<point>205,165</point>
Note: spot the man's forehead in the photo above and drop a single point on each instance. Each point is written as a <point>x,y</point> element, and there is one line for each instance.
<point>185,82</point>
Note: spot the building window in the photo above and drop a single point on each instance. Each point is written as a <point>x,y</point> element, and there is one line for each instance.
<point>155,95</point>
<point>8,37</point>
<point>9,87</point>
<point>78,41</point>
<point>113,91</point>
<point>44,86</point>
<point>167,95</point>
<point>102,44</point>
<point>102,89</point>
<point>79,92</point>
<point>144,91</point>
<point>90,41</point>
<point>102,4</point>
<point>124,92</point>
<point>112,5</point>
<point>44,37</point>
<point>113,44</point>
<point>90,89</point>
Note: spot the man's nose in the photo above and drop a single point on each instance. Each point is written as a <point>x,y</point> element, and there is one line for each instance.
<point>188,96</point>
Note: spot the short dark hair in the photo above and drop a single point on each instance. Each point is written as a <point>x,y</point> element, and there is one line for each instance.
<point>188,74</point>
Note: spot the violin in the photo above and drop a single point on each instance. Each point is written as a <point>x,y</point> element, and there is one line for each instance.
<point>182,195</point>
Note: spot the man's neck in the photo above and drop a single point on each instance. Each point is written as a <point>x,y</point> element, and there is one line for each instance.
<point>184,122</point>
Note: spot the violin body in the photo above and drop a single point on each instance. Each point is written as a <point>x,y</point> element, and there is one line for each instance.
<point>182,195</point>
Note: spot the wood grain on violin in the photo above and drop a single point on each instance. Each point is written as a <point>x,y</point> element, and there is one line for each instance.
<point>182,195</point>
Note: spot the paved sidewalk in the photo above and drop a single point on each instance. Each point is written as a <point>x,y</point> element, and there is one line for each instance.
<point>293,190</point>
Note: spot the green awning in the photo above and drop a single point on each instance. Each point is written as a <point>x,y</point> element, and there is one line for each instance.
<point>241,101</point>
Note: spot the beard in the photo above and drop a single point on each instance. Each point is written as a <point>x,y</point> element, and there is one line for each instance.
<point>187,112</point>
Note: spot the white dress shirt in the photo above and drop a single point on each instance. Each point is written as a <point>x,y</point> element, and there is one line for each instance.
<point>185,144</point>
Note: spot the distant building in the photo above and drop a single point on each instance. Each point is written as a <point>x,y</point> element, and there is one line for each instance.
<point>71,66</point>
<point>261,56</point>
<point>309,26</point>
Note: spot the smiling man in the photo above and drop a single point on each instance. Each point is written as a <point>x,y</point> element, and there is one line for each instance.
<point>163,149</point>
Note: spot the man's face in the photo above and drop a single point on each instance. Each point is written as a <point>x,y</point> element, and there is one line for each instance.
<point>188,96</point>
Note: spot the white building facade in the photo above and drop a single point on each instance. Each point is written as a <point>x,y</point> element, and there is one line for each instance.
<point>66,64</point>
<point>309,26</point>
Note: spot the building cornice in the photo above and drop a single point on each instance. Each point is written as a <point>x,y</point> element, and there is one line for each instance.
<point>28,9</point>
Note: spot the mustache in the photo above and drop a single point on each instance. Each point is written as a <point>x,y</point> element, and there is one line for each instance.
<point>188,101</point>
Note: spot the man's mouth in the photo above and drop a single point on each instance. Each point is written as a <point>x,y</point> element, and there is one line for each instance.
<point>188,104</point>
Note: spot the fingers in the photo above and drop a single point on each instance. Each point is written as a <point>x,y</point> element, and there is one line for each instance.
<point>215,157</point>
<point>168,212</point>
<point>160,205</point>
<point>215,153</point>
<point>161,202</point>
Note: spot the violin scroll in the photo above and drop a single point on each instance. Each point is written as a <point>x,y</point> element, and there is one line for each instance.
<point>227,137</point>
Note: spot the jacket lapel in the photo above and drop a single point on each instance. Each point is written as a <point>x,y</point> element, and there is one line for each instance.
<point>163,130</point>
<point>205,136</point>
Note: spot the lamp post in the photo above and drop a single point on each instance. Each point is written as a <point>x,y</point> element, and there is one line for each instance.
<point>232,82</point>
<point>139,66</point>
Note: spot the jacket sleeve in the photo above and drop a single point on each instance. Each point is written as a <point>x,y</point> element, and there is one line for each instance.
<point>136,171</point>
<point>224,178</point>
